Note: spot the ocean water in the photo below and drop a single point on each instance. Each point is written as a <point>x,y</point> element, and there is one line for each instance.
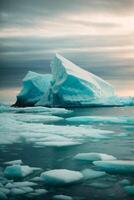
<point>49,138</point>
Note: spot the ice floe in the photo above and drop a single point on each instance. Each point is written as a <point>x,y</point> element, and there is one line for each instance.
<point>92,174</point>
<point>116,166</point>
<point>129,189</point>
<point>14,162</point>
<point>40,134</point>
<point>61,176</point>
<point>34,110</point>
<point>17,171</point>
<point>125,182</point>
<point>93,156</point>
<point>102,119</point>
<point>20,184</point>
<point>62,197</point>
<point>100,185</point>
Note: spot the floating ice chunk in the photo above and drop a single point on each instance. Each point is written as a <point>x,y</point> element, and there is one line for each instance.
<point>93,157</point>
<point>39,118</point>
<point>17,171</point>
<point>20,184</point>
<point>27,189</point>
<point>124,182</point>
<point>100,185</point>
<point>116,166</point>
<point>92,174</point>
<point>14,162</point>
<point>35,110</point>
<point>17,191</point>
<point>58,144</point>
<point>40,191</point>
<point>61,177</point>
<point>3,196</point>
<point>129,189</point>
<point>36,179</point>
<point>34,86</point>
<point>62,197</point>
<point>101,119</point>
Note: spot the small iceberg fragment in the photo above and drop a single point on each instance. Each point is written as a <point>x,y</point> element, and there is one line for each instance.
<point>65,143</point>
<point>17,191</point>
<point>125,182</point>
<point>61,177</point>
<point>92,174</point>
<point>99,185</point>
<point>37,193</point>
<point>14,162</point>
<point>30,118</point>
<point>62,197</point>
<point>93,156</point>
<point>20,184</point>
<point>17,171</point>
<point>129,189</point>
<point>116,166</point>
<point>40,191</point>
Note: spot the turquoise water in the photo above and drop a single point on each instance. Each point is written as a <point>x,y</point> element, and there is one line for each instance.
<point>50,138</point>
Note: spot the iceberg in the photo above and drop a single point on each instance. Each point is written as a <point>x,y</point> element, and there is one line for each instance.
<point>34,86</point>
<point>68,86</point>
<point>127,120</point>
<point>72,86</point>
<point>62,197</point>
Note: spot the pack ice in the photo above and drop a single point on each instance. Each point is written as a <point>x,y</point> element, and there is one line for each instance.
<point>68,86</point>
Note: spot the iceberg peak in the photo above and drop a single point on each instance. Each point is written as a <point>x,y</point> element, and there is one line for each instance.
<point>68,86</point>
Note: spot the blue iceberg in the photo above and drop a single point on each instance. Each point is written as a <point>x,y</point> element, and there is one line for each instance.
<point>68,86</point>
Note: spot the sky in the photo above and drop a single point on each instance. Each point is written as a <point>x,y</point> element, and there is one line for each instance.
<point>98,35</point>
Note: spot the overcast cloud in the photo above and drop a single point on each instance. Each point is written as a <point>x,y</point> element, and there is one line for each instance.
<point>96,34</point>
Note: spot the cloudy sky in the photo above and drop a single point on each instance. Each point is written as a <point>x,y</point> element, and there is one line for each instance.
<point>98,35</point>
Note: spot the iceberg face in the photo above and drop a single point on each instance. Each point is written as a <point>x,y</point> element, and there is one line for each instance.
<point>73,86</point>
<point>34,86</point>
<point>68,86</point>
